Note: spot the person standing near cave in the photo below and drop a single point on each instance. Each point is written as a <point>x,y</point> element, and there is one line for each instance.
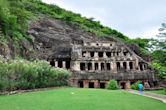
<point>140,86</point>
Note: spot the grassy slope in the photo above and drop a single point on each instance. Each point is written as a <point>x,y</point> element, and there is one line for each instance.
<point>83,99</point>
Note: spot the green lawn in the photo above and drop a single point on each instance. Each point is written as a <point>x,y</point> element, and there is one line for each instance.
<point>158,92</point>
<point>79,99</point>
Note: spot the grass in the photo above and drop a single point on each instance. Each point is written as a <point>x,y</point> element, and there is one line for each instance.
<point>79,99</point>
<point>158,92</point>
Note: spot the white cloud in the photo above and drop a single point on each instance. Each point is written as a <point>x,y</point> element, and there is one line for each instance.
<point>134,18</point>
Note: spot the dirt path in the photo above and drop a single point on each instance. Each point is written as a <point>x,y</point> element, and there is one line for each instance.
<point>151,95</point>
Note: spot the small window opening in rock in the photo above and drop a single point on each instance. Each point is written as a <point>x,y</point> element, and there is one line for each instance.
<point>108,66</point>
<point>83,53</point>
<point>82,66</point>
<point>131,65</point>
<point>117,53</point>
<point>118,65</point>
<point>124,65</point>
<point>102,66</point>
<point>141,66</point>
<point>125,53</point>
<point>108,54</point>
<point>92,54</point>
<point>100,54</point>
<point>89,66</point>
<point>60,64</point>
<point>52,63</point>
<point>67,64</point>
<point>96,66</point>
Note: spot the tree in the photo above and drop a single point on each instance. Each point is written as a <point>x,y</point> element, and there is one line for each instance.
<point>159,51</point>
<point>162,37</point>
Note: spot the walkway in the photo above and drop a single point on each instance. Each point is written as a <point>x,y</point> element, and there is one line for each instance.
<point>151,95</point>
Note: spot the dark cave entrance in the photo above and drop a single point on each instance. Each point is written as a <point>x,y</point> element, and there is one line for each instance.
<point>131,65</point>
<point>100,54</point>
<point>108,54</point>
<point>123,85</point>
<point>67,64</point>
<point>102,85</point>
<point>124,65</point>
<point>118,65</point>
<point>102,66</point>
<point>91,84</point>
<point>108,66</point>
<point>82,66</point>
<point>89,66</point>
<point>81,84</point>
<point>92,54</point>
<point>96,66</point>
<point>60,65</point>
<point>52,63</point>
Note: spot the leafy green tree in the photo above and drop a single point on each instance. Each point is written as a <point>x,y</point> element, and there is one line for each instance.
<point>161,42</point>
<point>159,51</point>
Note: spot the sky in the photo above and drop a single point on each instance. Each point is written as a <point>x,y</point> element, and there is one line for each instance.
<point>134,18</point>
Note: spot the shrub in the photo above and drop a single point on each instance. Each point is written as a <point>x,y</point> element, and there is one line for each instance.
<point>22,74</point>
<point>165,90</point>
<point>113,85</point>
<point>135,85</point>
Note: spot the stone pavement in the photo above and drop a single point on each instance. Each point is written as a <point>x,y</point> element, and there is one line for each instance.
<point>148,94</point>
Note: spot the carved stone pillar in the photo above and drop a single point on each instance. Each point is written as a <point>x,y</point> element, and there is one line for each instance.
<point>136,64</point>
<point>86,66</point>
<point>96,54</point>
<point>99,63</point>
<point>143,67</point>
<point>121,65</point>
<point>114,67</point>
<point>128,66</point>
<point>96,84</point>
<point>56,64</point>
<point>63,64</point>
<point>127,85</point>
<point>104,55</point>
<point>93,66</point>
<point>112,54</point>
<point>86,83</point>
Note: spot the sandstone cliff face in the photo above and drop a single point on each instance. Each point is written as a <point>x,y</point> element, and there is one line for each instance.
<point>54,37</point>
<point>49,38</point>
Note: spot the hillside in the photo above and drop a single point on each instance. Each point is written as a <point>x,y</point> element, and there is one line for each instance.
<point>33,29</point>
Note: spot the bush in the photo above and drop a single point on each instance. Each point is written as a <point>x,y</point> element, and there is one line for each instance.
<point>22,74</point>
<point>135,85</point>
<point>112,85</point>
<point>165,90</point>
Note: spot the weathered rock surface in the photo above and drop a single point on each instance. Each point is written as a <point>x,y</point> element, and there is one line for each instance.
<point>49,38</point>
<point>55,37</point>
